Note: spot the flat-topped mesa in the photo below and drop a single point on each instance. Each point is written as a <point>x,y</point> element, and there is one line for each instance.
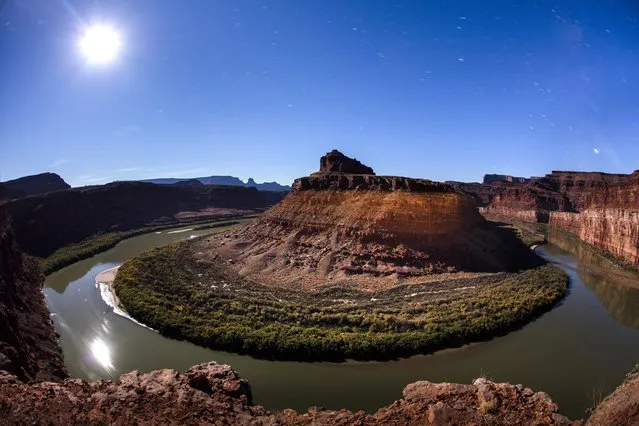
<point>336,162</point>
<point>336,223</point>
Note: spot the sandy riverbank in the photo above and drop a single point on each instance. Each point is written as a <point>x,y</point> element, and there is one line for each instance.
<point>104,282</point>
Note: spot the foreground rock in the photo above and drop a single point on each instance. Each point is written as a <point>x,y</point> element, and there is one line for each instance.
<point>622,406</point>
<point>214,394</point>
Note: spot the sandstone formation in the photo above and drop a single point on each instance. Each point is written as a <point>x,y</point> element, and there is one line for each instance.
<point>214,394</point>
<point>336,224</point>
<point>28,343</point>
<point>602,209</point>
<point>336,162</point>
<point>34,185</point>
<point>47,222</point>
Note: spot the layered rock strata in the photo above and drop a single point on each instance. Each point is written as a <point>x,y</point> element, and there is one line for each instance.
<point>335,224</point>
<point>602,209</point>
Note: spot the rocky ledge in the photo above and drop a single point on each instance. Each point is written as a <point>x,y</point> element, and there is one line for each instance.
<point>214,394</point>
<point>356,182</point>
<point>622,406</point>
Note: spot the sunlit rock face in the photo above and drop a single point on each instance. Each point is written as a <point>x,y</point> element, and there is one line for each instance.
<point>615,230</point>
<point>601,208</point>
<point>336,224</point>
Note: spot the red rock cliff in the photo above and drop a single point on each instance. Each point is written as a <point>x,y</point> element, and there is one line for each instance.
<point>600,208</point>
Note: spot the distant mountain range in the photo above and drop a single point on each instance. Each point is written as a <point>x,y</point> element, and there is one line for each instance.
<point>224,180</point>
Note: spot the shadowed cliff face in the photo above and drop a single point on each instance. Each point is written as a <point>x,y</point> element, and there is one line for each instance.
<point>45,223</point>
<point>28,344</point>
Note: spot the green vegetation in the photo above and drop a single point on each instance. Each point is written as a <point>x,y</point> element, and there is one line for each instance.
<point>530,238</point>
<point>169,290</point>
<point>531,234</point>
<point>67,255</point>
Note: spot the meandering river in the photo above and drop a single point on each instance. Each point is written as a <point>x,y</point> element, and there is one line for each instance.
<point>578,352</point>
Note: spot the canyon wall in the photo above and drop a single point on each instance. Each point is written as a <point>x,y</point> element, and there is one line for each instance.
<point>47,222</point>
<point>615,230</point>
<point>602,209</point>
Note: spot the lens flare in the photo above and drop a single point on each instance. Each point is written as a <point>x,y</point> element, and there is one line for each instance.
<point>100,44</point>
<point>101,353</point>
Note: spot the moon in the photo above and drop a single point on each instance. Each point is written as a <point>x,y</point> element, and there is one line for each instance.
<point>100,44</point>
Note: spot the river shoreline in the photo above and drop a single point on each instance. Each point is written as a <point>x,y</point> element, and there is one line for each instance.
<point>80,317</point>
<point>104,284</point>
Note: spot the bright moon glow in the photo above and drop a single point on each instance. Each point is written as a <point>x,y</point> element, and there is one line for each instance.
<point>100,44</point>
<point>101,353</point>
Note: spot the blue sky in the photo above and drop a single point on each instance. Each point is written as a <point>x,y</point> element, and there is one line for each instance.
<point>436,89</point>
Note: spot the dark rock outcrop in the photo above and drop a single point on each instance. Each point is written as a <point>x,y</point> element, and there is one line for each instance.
<point>47,222</point>
<point>190,182</point>
<point>34,185</point>
<point>28,343</point>
<point>214,394</point>
<point>358,182</point>
<point>488,179</point>
<point>336,162</point>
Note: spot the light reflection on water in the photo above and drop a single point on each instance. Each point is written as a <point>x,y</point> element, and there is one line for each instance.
<point>101,353</point>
